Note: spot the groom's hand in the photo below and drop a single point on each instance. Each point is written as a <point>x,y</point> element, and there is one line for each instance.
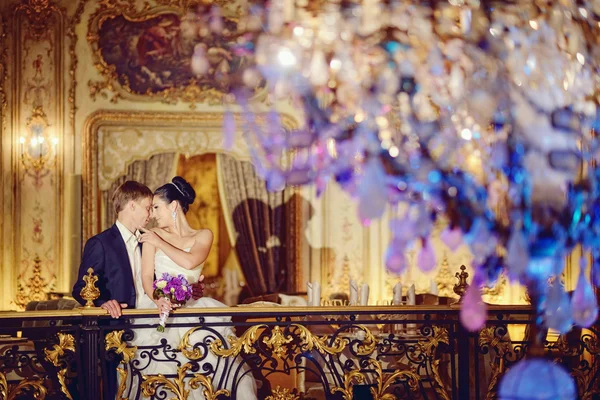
<point>114,308</point>
<point>198,288</point>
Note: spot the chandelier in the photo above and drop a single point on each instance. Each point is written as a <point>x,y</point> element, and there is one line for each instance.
<point>482,112</point>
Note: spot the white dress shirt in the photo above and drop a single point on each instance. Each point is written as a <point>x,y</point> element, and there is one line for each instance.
<point>133,250</point>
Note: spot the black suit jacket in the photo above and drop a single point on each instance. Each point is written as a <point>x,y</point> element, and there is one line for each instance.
<point>107,255</point>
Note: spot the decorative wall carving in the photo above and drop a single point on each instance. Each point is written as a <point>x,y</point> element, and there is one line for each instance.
<point>33,288</point>
<point>41,15</point>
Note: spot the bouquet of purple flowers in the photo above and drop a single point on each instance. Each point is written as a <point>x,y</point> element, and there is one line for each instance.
<point>176,289</point>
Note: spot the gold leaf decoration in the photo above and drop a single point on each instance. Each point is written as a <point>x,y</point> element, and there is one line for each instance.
<point>35,386</point>
<point>310,342</point>
<point>245,343</point>
<point>428,347</point>
<point>177,386</point>
<point>34,289</point>
<point>282,394</point>
<point>114,341</point>
<point>193,354</point>
<point>90,292</point>
<point>278,341</point>
<point>384,381</point>
<point>208,391</point>
<point>66,342</point>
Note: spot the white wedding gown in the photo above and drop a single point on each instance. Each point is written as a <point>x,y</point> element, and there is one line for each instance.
<point>245,389</point>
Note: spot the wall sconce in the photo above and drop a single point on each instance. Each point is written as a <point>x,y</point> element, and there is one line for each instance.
<point>38,148</point>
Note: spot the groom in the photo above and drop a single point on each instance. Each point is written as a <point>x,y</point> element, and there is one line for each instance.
<point>115,254</point>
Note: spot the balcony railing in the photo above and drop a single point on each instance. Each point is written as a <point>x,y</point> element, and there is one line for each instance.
<point>403,352</point>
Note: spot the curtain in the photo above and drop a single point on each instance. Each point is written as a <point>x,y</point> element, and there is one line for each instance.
<point>154,172</point>
<point>260,227</point>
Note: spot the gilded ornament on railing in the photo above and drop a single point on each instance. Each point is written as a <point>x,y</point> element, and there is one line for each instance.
<point>90,292</point>
<point>489,338</point>
<point>277,342</point>
<point>428,347</point>
<point>66,342</point>
<point>245,342</point>
<point>35,287</point>
<point>282,394</point>
<point>177,386</point>
<point>461,287</point>
<point>113,341</point>
<point>33,386</point>
<point>384,381</point>
<point>309,341</point>
<point>195,353</point>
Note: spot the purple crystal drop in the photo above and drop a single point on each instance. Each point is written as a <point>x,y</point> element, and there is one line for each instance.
<point>473,312</point>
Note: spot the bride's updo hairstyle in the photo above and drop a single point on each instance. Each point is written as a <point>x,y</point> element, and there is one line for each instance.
<point>177,190</point>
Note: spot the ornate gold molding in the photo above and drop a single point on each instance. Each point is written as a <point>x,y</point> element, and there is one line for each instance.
<point>40,15</point>
<point>177,386</point>
<point>66,342</point>
<point>34,288</point>
<point>72,35</point>
<point>33,385</point>
<point>114,341</point>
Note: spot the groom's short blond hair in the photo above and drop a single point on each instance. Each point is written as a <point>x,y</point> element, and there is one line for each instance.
<point>129,190</point>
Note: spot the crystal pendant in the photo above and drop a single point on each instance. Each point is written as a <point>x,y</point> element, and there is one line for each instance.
<point>481,241</point>
<point>583,304</point>
<point>395,259</point>
<point>517,258</point>
<point>275,181</point>
<point>319,70</point>
<point>372,193</point>
<point>426,259</point>
<point>452,238</point>
<point>558,310</point>
<point>596,272</point>
<point>473,312</point>
<point>402,229</point>
<point>529,379</point>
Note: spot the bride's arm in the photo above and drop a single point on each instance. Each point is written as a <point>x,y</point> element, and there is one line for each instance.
<point>188,260</point>
<point>148,252</point>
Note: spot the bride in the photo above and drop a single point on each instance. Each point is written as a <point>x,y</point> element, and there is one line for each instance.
<point>175,248</point>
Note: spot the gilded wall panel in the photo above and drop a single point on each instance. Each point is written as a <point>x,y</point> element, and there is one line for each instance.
<point>37,129</point>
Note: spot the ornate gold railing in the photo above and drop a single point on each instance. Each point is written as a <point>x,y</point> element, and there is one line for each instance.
<point>381,352</point>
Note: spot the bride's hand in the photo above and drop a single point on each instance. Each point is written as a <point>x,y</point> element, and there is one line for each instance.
<point>164,305</point>
<point>150,237</point>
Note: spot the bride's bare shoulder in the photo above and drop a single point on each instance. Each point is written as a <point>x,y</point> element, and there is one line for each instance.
<point>203,235</point>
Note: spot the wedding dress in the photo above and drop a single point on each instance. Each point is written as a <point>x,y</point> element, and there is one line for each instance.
<point>225,372</point>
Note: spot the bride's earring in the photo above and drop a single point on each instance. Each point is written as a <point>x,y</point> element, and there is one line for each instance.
<point>174,214</point>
